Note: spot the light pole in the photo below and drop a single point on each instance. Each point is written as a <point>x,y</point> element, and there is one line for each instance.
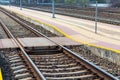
<point>53,8</point>
<point>20,4</point>
<point>96,16</point>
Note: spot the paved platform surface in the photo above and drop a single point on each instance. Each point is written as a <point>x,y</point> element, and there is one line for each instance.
<point>37,42</point>
<point>7,43</point>
<point>108,36</point>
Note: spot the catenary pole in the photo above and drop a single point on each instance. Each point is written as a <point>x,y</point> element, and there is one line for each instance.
<point>96,16</point>
<point>20,4</point>
<point>53,8</point>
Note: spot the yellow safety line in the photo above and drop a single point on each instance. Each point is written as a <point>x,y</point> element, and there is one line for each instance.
<point>68,36</point>
<point>1,78</point>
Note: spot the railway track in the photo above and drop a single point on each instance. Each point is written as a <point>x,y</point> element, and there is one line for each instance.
<point>61,66</point>
<point>2,33</point>
<point>57,63</point>
<point>19,66</point>
<point>22,66</point>
<point>21,30</point>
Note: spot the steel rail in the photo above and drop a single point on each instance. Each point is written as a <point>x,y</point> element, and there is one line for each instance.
<point>96,68</point>
<point>92,66</point>
<point>31,64</point>
<point>102,72</point>
<point>20,22</point>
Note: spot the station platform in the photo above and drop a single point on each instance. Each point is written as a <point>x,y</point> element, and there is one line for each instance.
<point>37,42</point>
<point>80,30</point>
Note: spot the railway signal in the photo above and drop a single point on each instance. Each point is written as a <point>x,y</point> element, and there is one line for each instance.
<point>96,16</point>
<point>53,8</point>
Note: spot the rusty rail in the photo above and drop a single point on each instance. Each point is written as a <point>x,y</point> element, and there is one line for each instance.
<point>31,64</point>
